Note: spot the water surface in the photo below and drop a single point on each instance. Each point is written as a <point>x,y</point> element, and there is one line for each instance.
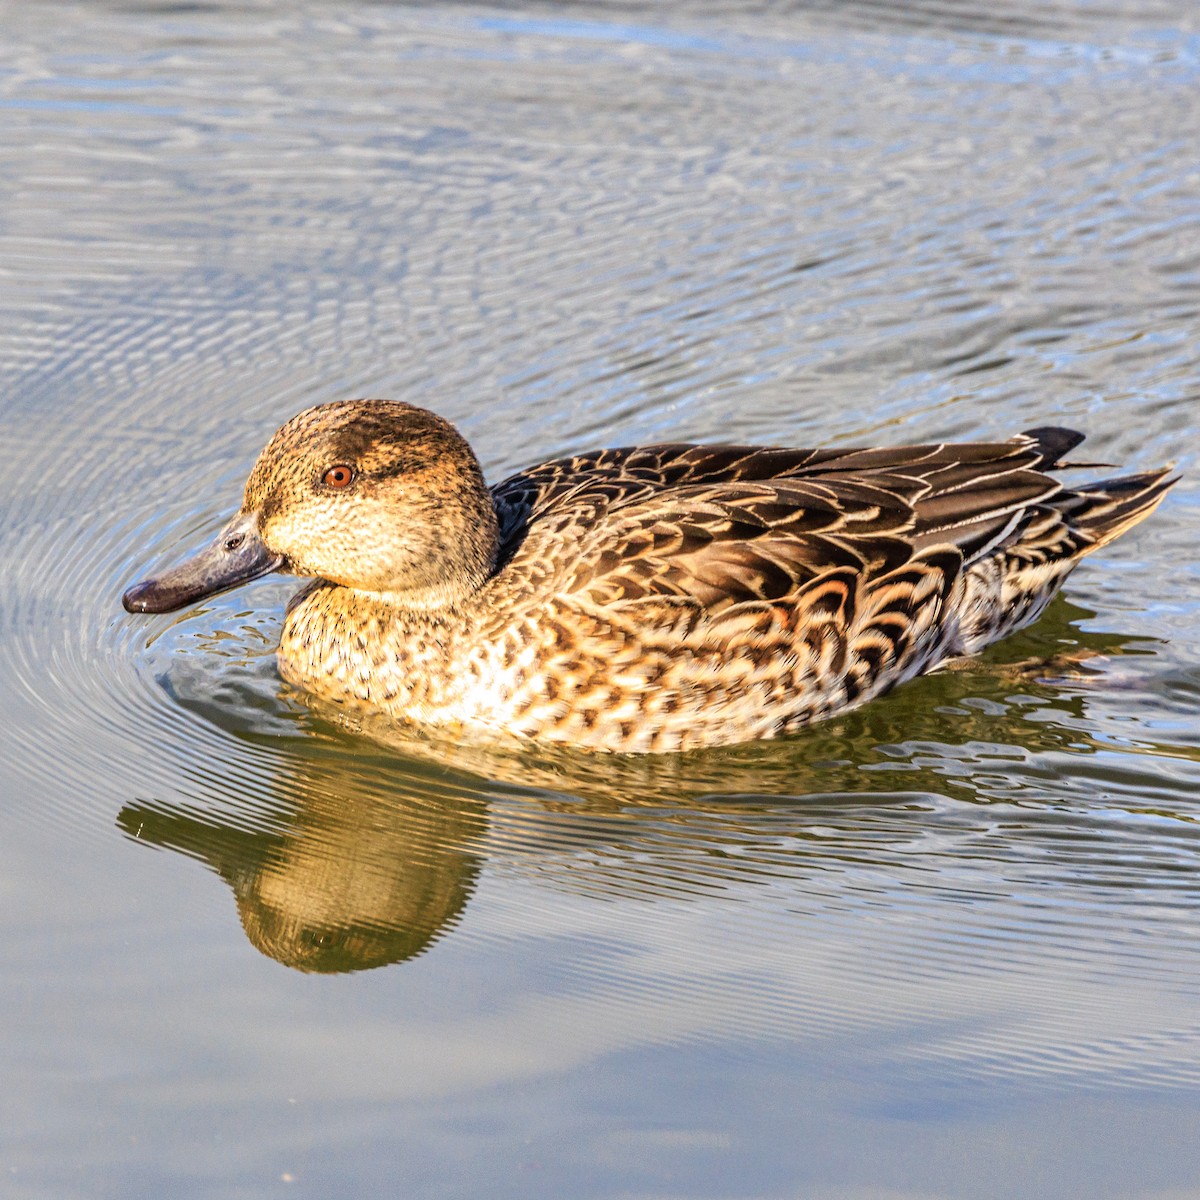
<point>943,946</point>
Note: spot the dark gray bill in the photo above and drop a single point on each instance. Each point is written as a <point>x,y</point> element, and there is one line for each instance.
<point>236,556</point>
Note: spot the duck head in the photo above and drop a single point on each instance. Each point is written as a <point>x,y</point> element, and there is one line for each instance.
<point>375,495</point>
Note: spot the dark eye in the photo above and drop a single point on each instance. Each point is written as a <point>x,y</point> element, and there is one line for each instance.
<point>339,477</point>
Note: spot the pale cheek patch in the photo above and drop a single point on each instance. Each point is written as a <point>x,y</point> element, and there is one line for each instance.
<point>349,543</point>
<point>314,540</point>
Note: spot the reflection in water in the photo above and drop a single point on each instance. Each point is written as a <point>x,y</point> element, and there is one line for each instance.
<point>345,876</point>
<point>365,856</point>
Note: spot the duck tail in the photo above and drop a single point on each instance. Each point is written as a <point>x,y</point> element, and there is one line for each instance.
<point>1104,510</point>
<point>1051,443</point>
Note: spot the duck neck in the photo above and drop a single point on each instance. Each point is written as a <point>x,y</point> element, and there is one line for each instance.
<point>446,552</point>
<point>461,561</point>
<point>355,647</point>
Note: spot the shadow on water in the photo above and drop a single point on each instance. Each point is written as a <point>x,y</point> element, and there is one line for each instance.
<point>368,848</point>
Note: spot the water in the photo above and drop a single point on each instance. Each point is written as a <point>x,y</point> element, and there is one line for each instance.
<point>944,946</point>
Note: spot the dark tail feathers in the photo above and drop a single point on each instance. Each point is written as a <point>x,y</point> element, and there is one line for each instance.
<point>1104,510</point>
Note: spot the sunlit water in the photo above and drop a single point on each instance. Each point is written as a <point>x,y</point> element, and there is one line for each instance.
<point>948,945</point>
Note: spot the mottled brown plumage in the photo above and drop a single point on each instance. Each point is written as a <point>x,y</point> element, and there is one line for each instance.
<point>650,598</point>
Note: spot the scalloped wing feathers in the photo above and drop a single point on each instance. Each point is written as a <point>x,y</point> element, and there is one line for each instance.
<point>728,524</point>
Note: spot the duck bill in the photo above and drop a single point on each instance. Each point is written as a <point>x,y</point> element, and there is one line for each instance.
<point>236,556</point>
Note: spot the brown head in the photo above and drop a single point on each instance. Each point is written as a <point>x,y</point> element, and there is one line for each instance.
<point>371,494</point>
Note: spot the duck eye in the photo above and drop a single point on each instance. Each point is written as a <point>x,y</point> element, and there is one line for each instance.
<point>339,477</point>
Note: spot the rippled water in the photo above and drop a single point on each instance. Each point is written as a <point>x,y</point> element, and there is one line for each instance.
<point>944,946</point>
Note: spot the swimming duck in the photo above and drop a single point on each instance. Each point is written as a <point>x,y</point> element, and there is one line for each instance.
<point>652,598</point>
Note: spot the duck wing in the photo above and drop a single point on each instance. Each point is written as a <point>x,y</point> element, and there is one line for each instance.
<point>723,525</point>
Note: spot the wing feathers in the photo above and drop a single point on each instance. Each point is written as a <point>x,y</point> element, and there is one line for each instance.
<point>731,525</point>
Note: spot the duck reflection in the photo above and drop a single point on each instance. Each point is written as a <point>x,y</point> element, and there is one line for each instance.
<point>341,874</point>
<point>366,849</point>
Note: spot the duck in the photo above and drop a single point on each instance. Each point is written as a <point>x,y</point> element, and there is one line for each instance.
<point>643,599</point>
